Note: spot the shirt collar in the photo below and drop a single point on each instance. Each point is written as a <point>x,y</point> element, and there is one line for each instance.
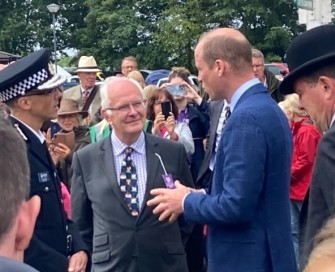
<point>38,134</point>
<point>241,90</point>
<point>119,146</point>
<point>333,120</point>
<point>83,90</point>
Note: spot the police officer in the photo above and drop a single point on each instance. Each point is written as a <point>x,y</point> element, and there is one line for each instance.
<point>33,93</point>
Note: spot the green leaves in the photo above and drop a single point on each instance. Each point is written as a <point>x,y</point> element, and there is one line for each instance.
<point>160,33</point>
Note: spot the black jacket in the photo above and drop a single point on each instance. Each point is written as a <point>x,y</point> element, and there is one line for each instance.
<point>273,86</point>
<point>199,126</point>
<point>48,249</point>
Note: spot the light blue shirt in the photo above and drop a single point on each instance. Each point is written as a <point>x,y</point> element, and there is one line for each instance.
<point>241,90</point>
<point>139,158</point>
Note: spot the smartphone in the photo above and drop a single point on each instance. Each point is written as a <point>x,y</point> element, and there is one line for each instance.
<point>59,138</point>
<point>166,109</point>
<point>65,138</point>
<point>176,89</point>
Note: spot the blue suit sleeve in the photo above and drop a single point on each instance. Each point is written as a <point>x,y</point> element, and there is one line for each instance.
<point>238,179</point>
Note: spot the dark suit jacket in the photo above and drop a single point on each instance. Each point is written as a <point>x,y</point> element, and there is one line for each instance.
<point>47,251</point>
<point>320,205</point>
<point>205,174</point>
<point>119,242</point>
<point>199,125</point>
<point>247,211</point>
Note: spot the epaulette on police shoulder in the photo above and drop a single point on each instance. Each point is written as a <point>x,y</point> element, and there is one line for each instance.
<point>20,131</point>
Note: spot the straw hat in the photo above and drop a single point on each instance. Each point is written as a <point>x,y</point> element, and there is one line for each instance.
<point>70,106</point>
<point>87,64</point>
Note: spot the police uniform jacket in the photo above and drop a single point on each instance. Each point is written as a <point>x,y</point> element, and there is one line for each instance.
<point>51,244</point>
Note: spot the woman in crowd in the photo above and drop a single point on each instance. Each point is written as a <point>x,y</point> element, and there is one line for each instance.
<point>168,128</point>
<point>305,140</point>
<point>193,110</point>
<point>137,76</point>
<point>69,118</point>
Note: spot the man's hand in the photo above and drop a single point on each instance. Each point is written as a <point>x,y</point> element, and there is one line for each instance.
<point>78,262</point>
<point>169,201</point>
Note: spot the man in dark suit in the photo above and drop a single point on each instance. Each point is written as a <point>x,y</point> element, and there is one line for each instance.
<point>33,93</point>
<point>312,77</point>
<point>247,210</point>
<point>17,215</point>
<point>112,214</point>
<point>217,109</point>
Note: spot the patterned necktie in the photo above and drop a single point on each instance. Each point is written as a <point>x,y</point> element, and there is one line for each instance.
<point>128,182</point>
<point>227,115</point>
<point>85,95</point>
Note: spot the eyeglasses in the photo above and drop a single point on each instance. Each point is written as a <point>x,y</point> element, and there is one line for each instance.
<point>158,102</point>
<point>44,92</point>
<point>137,105</point>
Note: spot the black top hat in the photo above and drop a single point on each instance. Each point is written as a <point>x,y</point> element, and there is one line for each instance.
<point>32,72</point>
<point>308,52</point>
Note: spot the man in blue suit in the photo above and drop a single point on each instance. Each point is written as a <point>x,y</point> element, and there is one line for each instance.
<point>247,206</point>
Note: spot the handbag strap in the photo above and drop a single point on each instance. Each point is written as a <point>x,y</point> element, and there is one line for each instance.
<point>90,99</point>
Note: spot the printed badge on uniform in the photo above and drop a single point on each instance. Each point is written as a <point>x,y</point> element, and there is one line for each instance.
<point>43,177</point>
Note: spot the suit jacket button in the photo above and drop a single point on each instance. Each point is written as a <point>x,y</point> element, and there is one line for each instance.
<point>46,189</point>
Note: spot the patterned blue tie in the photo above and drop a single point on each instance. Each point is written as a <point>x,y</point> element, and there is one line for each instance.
<point>128,182</point>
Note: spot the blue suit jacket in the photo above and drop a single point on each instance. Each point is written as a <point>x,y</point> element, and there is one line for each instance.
<point>247,211</point>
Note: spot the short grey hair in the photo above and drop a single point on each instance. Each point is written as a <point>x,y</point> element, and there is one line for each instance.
<point>256,53</point>
<point>111,80</point>
<point>15,175</point>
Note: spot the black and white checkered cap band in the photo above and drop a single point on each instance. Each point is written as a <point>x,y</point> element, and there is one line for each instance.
<point>23,86</point>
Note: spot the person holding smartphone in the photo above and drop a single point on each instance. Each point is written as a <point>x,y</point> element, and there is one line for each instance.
<point>163,112</point>
<point>69,118</point>
<point>193,110</point>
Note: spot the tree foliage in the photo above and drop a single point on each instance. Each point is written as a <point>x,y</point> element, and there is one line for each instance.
<point>160,33</point>
<point>27,24</point>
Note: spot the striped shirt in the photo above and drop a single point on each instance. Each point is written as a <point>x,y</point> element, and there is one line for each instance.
<point>139,158</point>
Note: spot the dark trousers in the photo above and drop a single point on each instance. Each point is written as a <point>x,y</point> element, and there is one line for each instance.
<point>195,250</point>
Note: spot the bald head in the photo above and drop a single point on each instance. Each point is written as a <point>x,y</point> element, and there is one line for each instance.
<point>226,44</point>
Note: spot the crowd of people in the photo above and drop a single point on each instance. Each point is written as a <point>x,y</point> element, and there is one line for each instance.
<point>128,176</point>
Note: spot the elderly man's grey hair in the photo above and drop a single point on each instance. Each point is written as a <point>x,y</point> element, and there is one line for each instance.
<point>256,53</point>
<point>112,80</point>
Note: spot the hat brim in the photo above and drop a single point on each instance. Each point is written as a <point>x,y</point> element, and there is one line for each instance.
<point>93,70</point>
<point>83,113</point>
<point>287,85</point>
<point>54,82</point>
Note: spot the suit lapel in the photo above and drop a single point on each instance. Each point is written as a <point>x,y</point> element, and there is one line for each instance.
<point>107,161</point>
<point>152,166</point>
<point>215,120</point>
<point>76,95</point>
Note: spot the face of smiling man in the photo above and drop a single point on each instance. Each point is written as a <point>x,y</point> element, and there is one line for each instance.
<point>127,110</point>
